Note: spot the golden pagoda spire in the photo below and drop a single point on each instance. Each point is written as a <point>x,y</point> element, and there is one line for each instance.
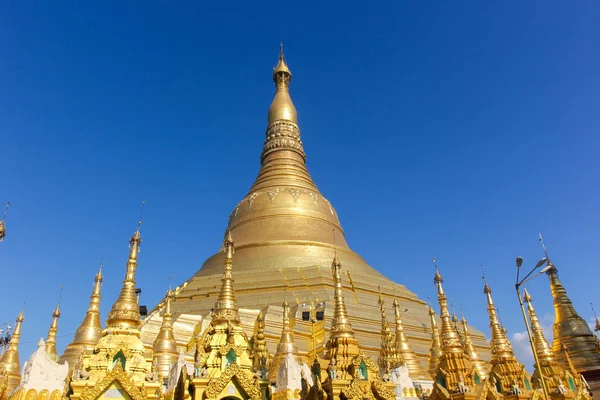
<point>286,342</point>
<point>435,351</point>
<point>164,349</point>
<point>125,312</point>
<point>340,324</point>
<point>51,340</point>
<point>551,369</point>
<point>501,347</point>
<point>405,351</point>
<point>90,330</point>
<point>3,224</point>
<point>226,308</point>
<point>505,366</point>
<point>478,364</point>
<point>455,368</point>
<point>389,358</point>
<point>10,365</point>
<point>283,160</point>
<point>342,346</point>
<point>542,347</point>
<point>450,341</point>
<point>571,329</point>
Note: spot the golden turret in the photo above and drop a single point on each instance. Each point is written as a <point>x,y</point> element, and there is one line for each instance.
<point>125,312</point>
<point>506,369</point>
<point>90,330</point>
<point>479,365</point>
<point>226,308</point>
<point>454,371</point>
<point>3,223</point>
<point>51,340</point>
<point>164,350</point>
<point>405,351</point>
<point>389,358</point>
<point>435,351</point>
<point>572,330</point>
<point>10,365</point>
<point>342,345</point>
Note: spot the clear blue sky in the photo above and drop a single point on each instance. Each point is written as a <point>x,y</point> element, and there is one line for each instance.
<point>455,128</point>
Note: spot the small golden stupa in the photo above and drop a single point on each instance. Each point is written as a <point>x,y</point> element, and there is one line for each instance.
<point>118,365</point>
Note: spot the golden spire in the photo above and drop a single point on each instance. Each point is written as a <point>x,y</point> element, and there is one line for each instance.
<point>571,329</point>
<point>478,364</point>
<point>286,342</point>
<point>51,340</point>
<point>505,365</point>
<point>282,107</point>
<point>125,312</point>
<point>542,348</point>
<point>388,352</point>
<point>10,363</point>
<point>90,330</point>
<point>501,347</point>
<point>405,351</point>
<point>435,351</point>
<point>450,340</point>
<point>164,348</point>
<point>340,323</point>
<point>283,160</point>
<point>454,368</point>
<point>342,346</point>
<point>226,308</point>
<point>3,223</point>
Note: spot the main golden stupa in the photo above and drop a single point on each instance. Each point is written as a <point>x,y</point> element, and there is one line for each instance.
<point>286,235</point>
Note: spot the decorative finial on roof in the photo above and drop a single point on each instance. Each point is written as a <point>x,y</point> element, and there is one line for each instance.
<point>3,223</point>
<point>51,339</point>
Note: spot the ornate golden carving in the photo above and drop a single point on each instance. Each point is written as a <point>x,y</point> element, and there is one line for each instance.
<point>116,375</point>
<point>242,377</point>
